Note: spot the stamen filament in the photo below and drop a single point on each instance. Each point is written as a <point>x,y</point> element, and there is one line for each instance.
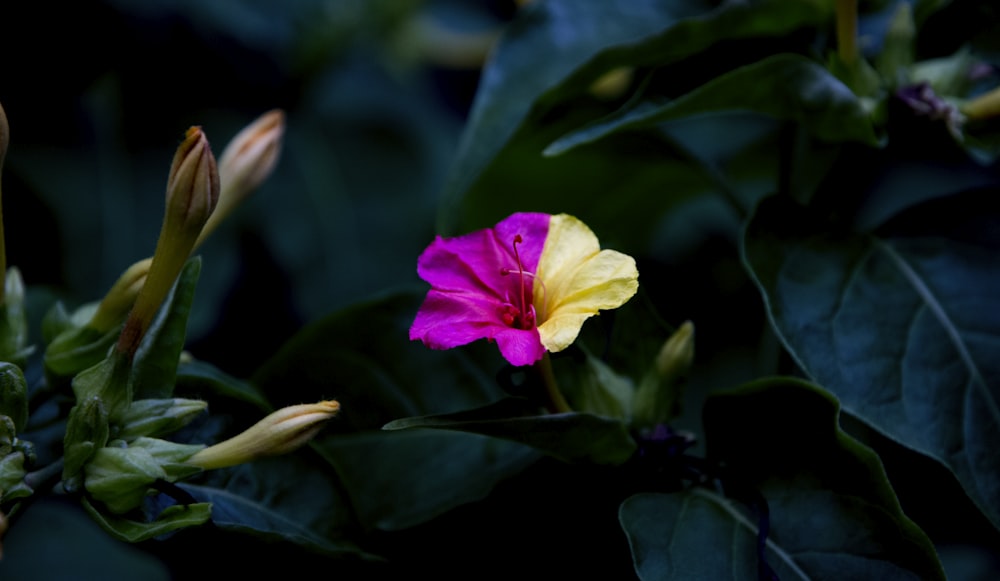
<point>520,271</point>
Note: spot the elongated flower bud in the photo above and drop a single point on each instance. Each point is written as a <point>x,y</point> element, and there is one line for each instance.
<point>116,304</point>
<point>192,194</point>
<point>657,399</point>
<point>245,163</point>
<point>677,353</point>
<point>984,106</point>
<point>279,433</point>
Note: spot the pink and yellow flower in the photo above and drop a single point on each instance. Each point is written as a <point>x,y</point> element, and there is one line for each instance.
<point>528,283</point>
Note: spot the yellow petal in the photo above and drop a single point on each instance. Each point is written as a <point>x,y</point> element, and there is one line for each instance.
<point>577,279</point>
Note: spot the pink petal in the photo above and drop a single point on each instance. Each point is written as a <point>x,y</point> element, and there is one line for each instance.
<point>520,347</point>
<point>447,320</point>
<point>476,261</point>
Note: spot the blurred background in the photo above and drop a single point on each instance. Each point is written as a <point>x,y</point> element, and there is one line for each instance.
<point>98,94</point>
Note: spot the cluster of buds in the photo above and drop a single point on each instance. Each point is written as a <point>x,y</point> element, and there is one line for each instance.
<point>121,473</point>
<point>113,449</point>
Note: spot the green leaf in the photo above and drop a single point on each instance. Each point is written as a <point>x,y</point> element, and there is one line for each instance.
<point>397,480</point>
<point>598,389</point>
<point>287,498</point>
<point>170,519</point>
<point>582,39</point>
<point>833,514</point>
<point>568,436</point>
<point>784,86</point>
<point>903,325</point>
<point>200,376</point>
<point>155,365</point>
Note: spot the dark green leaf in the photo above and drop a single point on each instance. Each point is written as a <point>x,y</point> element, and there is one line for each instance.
<point>170,519</point>
<point>155,364</point>
<point>567,436</point>
<point>582,39</point>
<point>199,376</point>
<point>784,86</point>
<point>284,498</point>
<point>396,480</point>
<point>833,514</point>
<point>903,325</point>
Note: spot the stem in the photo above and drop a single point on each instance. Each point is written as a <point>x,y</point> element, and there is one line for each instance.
<point>45,476</point>
<point>847,30</point>
<point>556,402</point>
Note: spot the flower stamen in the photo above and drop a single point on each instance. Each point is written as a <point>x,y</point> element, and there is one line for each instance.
<point>523,313</point>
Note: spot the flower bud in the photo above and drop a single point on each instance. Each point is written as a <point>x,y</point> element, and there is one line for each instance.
<point>677,353</point>
<point>245,163</point>
<point>86,432</point>
<point>657,400</point>
<point>279,433</point>
<point>13,395</point>
<point>157,417</point>
<point>192,193</point>
<point>612,84</point>
<point>14,345</point>
<point>985,106</point>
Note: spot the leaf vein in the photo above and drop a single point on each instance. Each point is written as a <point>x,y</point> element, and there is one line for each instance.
<point>942,317</point>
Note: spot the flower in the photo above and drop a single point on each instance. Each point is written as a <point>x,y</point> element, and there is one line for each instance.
<point>528,283</point>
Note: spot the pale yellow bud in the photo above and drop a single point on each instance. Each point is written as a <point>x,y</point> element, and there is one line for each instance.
<point>192,193</point>
<point>657,399</point>
<point>245,163</point>
<point>612,84</point>
<point>677,353</point>
<point>279,433</point>
<point>119,300</point>
<point>984,106</point>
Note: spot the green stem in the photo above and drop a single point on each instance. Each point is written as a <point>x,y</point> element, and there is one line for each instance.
<point>847,30</point>
<point>44,477</point>
<point>557,404</point>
